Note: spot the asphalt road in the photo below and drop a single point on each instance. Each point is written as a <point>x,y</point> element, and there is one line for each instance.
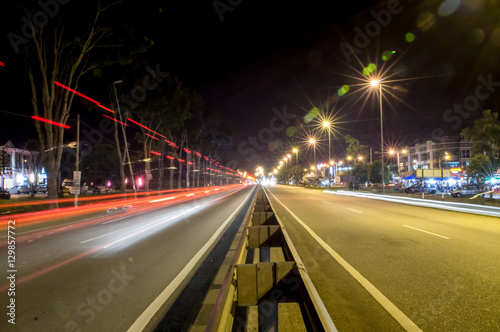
<point>383,266</point>
<point>114,270</point>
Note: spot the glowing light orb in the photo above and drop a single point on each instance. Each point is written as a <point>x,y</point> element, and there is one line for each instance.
<point>410,37</point>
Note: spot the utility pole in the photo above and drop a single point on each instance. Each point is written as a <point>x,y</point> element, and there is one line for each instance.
<point>77,158</point>
<point>124,136</point>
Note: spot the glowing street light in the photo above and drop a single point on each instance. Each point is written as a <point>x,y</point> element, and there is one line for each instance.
<point>376,83</point>
<point>296,151</point>
<point>446,156</point>
<point>313,142</point>
<point>327,124</point>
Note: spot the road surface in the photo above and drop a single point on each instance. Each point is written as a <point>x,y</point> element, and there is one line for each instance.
<point>104,272</point>
<point>383,266</point>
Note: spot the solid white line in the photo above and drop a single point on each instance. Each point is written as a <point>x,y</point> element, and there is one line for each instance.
<point>421,230</point>
<point>398,315</point>
<point>162,199</point>
<point>101,236</point>
<point>354,210</point>
<point>142,321</point>
<point>449,206</point>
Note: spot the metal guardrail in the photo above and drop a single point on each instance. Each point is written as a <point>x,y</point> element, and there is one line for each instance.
<point>267,287</point>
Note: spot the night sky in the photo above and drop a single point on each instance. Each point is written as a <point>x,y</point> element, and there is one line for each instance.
<point>251,57</point>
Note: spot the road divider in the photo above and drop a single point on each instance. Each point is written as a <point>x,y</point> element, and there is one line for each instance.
<point>267,286</point>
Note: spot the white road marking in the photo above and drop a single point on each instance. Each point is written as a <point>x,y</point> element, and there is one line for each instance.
<point>354,210</point>
<point>162,199</point>
<point>421,230</point>
<point>101,236</point>
<point>398,315</point>
<point>143,320</point>
<point>328,203</point>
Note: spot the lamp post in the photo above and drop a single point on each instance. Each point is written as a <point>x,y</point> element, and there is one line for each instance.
<point>376,83</point>
<point>124,135</point>
<point>397,157</point>
<point>313,142</point>
<point>327,124</point>
<point>446,156</point>
<point>296,151</point>
<point>332,163</point>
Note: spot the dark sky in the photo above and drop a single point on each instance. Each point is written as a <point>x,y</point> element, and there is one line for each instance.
<point>257,56</point>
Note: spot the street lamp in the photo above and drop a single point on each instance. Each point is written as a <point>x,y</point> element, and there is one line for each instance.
<point>124,135</point>
<point>397,157</point>
<point>296,151</point>
<point>327,124</point>
<point>313,142</point>
<point>446,156</point>
<point>376,83</point>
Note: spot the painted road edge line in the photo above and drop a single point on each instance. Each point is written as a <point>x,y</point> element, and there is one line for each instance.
<point>354,210</point>
<point>397,314</point>
<point>143,320</point>
<point>421,230</point>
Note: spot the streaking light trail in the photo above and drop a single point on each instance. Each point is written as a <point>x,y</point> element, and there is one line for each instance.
<point>115,120</point>
<point>50,121</point>
<point>143,126</point>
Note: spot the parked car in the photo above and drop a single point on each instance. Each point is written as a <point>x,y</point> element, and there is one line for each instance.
<point>101,189</point>
<point>466,191</point>
<point>19,190</point>
<point>4,194</point>
<point>42,189</point>
<point>14,190</point>
<point>67,187</point>
<point>412,189</point>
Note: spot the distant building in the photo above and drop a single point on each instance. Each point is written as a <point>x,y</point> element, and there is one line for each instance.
<point>431,154</point>
<point>12,165</point>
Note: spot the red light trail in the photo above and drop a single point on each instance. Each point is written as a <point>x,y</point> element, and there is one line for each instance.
<point>143,126</point>
<point>109,110</point>
<point>50,121</point>
<point>156,138</point>
<point>141,209</point>
<point>115,120</point>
